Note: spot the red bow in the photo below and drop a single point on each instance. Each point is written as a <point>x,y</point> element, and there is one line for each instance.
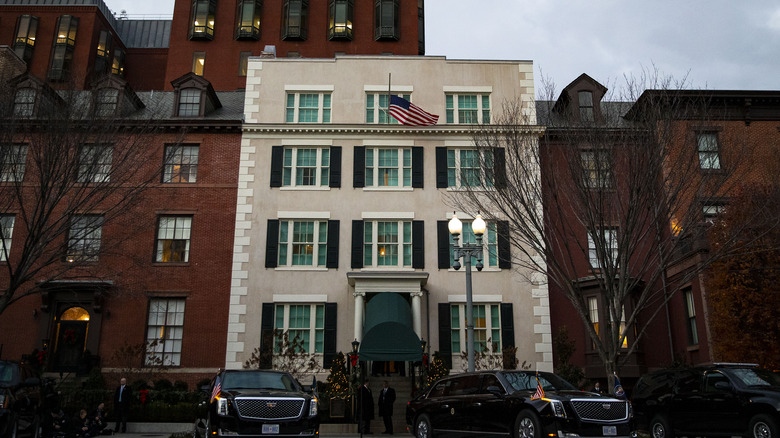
<point>353,358</point>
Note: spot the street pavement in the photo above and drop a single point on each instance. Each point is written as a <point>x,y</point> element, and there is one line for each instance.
<point>166,435</point>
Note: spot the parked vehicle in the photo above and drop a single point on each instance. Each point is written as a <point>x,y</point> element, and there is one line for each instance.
<point>20,400</point>
<point>249,403</point>
<point>502,403</point>
<point>715,400</point>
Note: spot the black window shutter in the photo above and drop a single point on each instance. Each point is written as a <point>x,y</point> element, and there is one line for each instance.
<point>504,252</point>
<point>359,167</point>
<point>418,245</point>
<point>335,166</point>
<point>277,154</point>
<point>499,168</point>
<point>507,326</point>
<point>331,321</point>
<point>266,335</point>
<point>443,237</point>
<point>441,167</point>
<point>445,334</point>
<point>417,167</point>
<point>272,243</point>
<point>357,244</point>
<point>332,260</point>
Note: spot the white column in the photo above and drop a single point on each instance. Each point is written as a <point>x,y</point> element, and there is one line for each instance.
<point>359,306</point>
<point>417,313</point>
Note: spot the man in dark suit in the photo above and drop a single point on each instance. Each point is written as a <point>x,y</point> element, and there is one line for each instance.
<point>386,400</point>
<point>122,397</point>
<point>366,405</point>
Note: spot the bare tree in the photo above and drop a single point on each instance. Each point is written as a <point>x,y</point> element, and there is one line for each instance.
<point>69,164</point>
<point>611,198</point>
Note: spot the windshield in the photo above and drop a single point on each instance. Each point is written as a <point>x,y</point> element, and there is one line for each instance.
<point>526,381</point>
<point>755,377</point>
<point>258,380</point>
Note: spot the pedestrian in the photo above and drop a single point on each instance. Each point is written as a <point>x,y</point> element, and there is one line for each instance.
<point>98,419</point>
<point>122,397</point>
<point>386,400</point>
<point>597,388</point>
<point>366,405</point>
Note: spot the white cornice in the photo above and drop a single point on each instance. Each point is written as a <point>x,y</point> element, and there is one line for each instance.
<point>306,129</point>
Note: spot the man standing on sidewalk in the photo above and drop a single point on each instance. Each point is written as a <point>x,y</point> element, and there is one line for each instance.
<point>386,400</point>
<point>121,404</point>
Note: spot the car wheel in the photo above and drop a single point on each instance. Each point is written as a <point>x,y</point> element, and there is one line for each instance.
<point>659,428</point>
<point>422,427</point>
<point>527,425</point>
<point>762,426</point>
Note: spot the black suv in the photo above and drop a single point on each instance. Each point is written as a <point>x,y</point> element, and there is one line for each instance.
<point>713,400</point>
<point>253,403</point>
<point>502,403</point>
<point>20,399</point>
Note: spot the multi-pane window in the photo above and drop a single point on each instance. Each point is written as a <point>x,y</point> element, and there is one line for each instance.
<point>388,167</point>
<point>308,108</point>
<point>248,19</point>
<point>24,41</point>
<point>466,168</point>
<point>603,243</point>
<point>202,19</point>
<point>387,244</point>
<point>106,101</point>
<point>24,102</point>
<point>12,160</point>
<point>709,155</point>
<point>487,325</point>
<point>593,314</point>
<point>62,51</point>
<point>489,244</point>
<point>303,243</point>
<point>586,105</point>
<point>95,163</point>
<point>243,62</point>
<point>198,63</point>
<point>103,55</point>
<point>304,322</point>
<point>690,311</point>
<point>84,238</point>
<point>596,169</point>
<point>386,20</point>
<point>302,166</point>
<point>340,16</point>
<point>173,239</point>
<point>118,64</point>
<point>165,331</point>
<point>711,211</point>
<point>377,108</point>
<point>189,102</point>
<point>468,108</point>
<point>295,17</point>
<point>181,164</point>
<point>7,230</point>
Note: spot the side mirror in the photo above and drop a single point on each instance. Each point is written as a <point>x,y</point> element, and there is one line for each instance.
<point>495,390</point>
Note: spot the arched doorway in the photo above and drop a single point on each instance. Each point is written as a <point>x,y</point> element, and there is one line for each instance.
<point>72,330</point>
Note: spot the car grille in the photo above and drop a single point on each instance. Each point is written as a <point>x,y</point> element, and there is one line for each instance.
<point>266,408</point>
<point>601,410</point>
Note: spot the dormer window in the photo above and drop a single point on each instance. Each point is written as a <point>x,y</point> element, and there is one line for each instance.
<point>341,15</point>
<point>586,105</point>
<point>106,102</point>
<point>24,42</point>
<point>194,96</point>
<point>103,55</point>
<point>202,20</point>
<point>295,15</point>
<point>62,51</point>
<point>189,102</point>
<point>248,19</point>
<point>386,20</point>
<point>24,102</point>
<point>118,64</point>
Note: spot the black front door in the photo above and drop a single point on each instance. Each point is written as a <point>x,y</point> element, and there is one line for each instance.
<point>69,349</point>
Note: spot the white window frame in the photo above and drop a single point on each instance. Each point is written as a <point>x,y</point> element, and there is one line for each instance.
<point>690,313</point>
<point>7,222</point>
<point>106,102</point>
<point>84,238</point>
<point>293,108</point>
<point>402,167</point>
<point>373,250</point>
<point>610,236</point>
<point>711,211</point>
<point>455,175</point>
<point>376,113</point>
<point>291,168</point>
<point>165,331</point>
<point>456,115</point>
<point>315,328</point>
<point>14,162</point>
<point>318,243</point>
<point>181,163</point>
<point>95,162</point>
<point>489,244</point>
<point>593,313</point>
<point>596,168</point>
<point>24,102</point>
<point>491,328</point>
<point>172,228</point>
<point>708,148</point>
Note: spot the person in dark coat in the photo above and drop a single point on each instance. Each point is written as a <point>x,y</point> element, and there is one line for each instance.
<point>98,419</point>
<point>366,411</point>
<point>386,400</point>
<point>122,397</point>
<point>81,424</point>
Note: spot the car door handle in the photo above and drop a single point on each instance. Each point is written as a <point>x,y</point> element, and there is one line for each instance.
<point>477,404</point>
<point>445,406</point>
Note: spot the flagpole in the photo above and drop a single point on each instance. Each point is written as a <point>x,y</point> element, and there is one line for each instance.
<point>389,78</point>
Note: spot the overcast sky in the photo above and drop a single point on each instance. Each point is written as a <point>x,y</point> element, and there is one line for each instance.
<point>716,44</point>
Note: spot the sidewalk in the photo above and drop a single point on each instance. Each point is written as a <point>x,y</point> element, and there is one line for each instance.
<point>164,430</point>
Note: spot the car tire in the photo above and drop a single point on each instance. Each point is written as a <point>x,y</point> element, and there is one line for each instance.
<point>762,426</point>
<point>659,427</point>
<point>422,427</point>
<point>527,425</point>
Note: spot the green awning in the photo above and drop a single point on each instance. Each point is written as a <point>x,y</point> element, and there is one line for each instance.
<point>387,332</point>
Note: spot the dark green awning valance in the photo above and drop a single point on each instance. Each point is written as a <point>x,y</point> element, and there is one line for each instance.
<point>387,332</point>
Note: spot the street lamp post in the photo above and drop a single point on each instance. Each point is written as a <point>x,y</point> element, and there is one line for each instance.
<point>467,251</point>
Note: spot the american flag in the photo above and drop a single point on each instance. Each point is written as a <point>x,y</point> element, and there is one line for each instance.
<point>539,391</point>
<point>217,389</point>
<point>410,114</point>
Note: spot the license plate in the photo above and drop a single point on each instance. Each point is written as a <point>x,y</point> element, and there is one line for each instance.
<point>273,429</point>
<point>609,430</point>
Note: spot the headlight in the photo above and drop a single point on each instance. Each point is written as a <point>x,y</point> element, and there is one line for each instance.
<point>313,407</point>
<point>557,407</point>
<point>222,406</point>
